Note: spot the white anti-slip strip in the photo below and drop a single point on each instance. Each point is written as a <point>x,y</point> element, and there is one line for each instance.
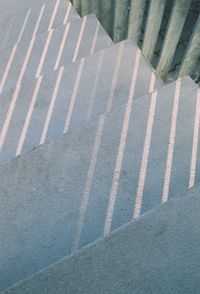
<point>195,142</point>
<point>165,194</point>
<point>121,149</point>
<point>14,50</point>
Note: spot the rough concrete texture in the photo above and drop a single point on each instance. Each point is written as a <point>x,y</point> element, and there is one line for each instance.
<point>157,254</point>
<point>46,52</point>
<point>18,24</point>
<point>68,194</point>
<point>70,97</point>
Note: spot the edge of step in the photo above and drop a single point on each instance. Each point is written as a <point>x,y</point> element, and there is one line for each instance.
<point>9,70</point>
<point>7,14</point>
<point>37,154</point>
<point>90,124</point>
<point>119,263</point>
<point>57,27</point>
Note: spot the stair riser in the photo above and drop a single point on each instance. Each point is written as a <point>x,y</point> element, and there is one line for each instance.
<point>72,97</point>
<point>21,27</point>
<point>61,207</point>
<point>43,54</point>
<point>159,244</point>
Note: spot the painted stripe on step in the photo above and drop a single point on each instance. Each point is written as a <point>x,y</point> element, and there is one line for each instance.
<point>51,106</point>
<point>152,82</point>
<point>145,156</point>
<point>165,194</point>
<point>195,142</point>
<point>121,149</point>
<point>32,42</point>
<point>44,53</point>
<point>9,116</point>
<point>60,52</point>
<point>89,180</point>
<point>24,26</point>
<point>74,96</point>
<point>95,39</point>
<point>67,13</point>
<point>94,88</point>
<point>79,39</point>
<point>53,15</point>
<point>28,117</point>
<point>115,78</point>
<point>14,50</point>
<point>97,144</point>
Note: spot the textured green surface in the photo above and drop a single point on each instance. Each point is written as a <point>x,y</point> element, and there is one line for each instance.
<point>136,19</point>
<point>121,20</point>
<point>162,33</point>
<point>178,17</point>
<point>153,26</point>
<point>192,53</point>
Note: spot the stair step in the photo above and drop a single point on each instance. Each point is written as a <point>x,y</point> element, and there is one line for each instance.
<point>72,96</point>
<point>65,195</point>
<point>152,255</point>
<point>48,51</point>
<point>37,19</point>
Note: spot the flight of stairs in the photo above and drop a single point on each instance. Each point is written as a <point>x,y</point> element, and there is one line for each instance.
<point>93,149</point>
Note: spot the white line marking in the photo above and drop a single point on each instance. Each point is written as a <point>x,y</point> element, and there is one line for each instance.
<point>18,85</point>
<point>115,77</point>
<point>95,39</point>
<point>44,53</point>
<point>28,117</point>
<point>24,26</point>
<point>152,82</point>
<point>8,66</point>
<point>67,13</point>
<point>60,52</point>
<point>74,96</point>
<point>89,180</point>
<point>24,66</point>
<point>94,88</point>
<point>195,142</point>
<point>145,156</point>
<point>97,144</point>
<point>8,117</point>
<point>79,39</point>
<point>53,15</point>
<point>165,194</point>
<point>51,106</point>
<point>120,155</point>
<point>11,58</point>
<point>29,51</point>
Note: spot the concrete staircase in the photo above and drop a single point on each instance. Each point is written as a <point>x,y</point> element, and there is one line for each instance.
<point>107,143</point>
<point>158,253</point>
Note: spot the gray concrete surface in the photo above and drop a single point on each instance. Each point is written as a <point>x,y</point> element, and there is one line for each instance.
<point>42,54</point>
<point>158,254</point>
<point>13,7</point>
<point>18,25</point>
<point>67,99</point>
<point>65,195</point>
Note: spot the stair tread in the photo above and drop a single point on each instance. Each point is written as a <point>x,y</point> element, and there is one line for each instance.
<point>56,207</point>
<point>40,55</point>
<point>102,78</point>
<point>20,26</point>
<point>150,255</point>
